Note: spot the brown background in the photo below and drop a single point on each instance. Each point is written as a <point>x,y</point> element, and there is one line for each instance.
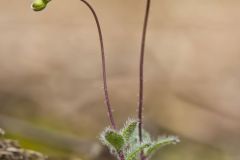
<point>50,70</point>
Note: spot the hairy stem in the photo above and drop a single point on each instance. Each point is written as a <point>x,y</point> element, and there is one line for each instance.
<point>104,74</point>
<point>141,75</point>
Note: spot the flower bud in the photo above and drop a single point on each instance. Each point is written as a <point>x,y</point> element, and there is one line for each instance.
<point>39,5</point>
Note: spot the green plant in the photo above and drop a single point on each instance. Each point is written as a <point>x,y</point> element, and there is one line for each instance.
<point>126,140</point>
<point>132,141</point>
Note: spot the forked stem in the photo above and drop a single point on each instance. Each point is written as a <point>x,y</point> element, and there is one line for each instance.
<point>141,75</point>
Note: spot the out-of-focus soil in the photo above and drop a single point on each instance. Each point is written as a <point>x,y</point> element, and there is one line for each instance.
<point>11,150</point>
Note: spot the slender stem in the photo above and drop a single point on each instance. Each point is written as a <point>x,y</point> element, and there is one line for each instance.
<point>141,75</point>
<point>104,74</point>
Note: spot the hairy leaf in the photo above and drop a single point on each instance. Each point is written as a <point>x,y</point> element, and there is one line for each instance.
<point>146,136</point>
<point>129,129</point>
<point>161,142</point>
<point>134,139</point>
<point>113,138</point>
<point>133,154</point>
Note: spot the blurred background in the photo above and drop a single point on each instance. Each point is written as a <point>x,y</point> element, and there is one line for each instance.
<point>51,97</point>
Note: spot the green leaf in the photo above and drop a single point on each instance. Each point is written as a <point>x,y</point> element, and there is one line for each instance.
<point>39,5</point>
<point>160,143</point>
<point>133,154</point>
<point>113,139</point>
<point>135,139</point>
<point>146,136</point>
<point>129,129</point>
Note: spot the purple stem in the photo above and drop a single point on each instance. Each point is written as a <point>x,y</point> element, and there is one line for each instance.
<point>141,75</point>
<point>104,74</point>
